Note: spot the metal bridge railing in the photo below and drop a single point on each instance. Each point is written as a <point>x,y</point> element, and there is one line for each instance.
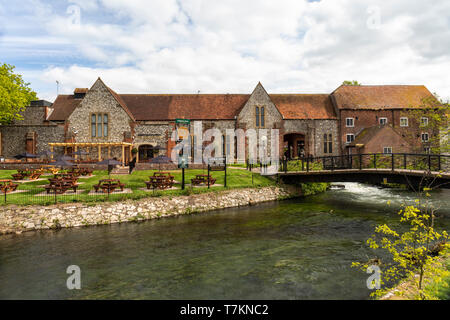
<point>392,161</point>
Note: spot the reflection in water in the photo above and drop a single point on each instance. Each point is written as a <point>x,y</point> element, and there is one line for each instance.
<point>297,249</point>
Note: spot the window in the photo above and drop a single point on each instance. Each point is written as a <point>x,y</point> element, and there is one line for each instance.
<point>260,113</point>
<point>350,122</point>
<point>425,137</point>
<point>383,121</point>
<point>257,117</point>
<point>387,150</point>
<point>327,143</point>
<point>262,116</point>
<point>99,125</point>
<point>350,137</point>
<point>403,122</point>
<point>427,149</point>
<point>424,121</point>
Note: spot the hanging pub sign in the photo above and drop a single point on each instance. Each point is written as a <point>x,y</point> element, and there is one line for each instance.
<point>183,128</point>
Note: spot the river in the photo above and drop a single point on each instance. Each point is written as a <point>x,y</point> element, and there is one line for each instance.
<point>295,249</point>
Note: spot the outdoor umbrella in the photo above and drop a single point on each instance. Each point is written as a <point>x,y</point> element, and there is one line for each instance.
<point>161,159</point>
<point>110,163</point>
<point>25,155</point>
<point>62,163</point>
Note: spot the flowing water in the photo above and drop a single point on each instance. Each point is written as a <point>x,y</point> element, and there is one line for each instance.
<point>296,249</point>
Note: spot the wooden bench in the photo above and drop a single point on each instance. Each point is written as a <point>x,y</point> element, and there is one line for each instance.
<point>202,179</point>
<point>7,186</point>
<point>60,187</point>
<point>109,185</point>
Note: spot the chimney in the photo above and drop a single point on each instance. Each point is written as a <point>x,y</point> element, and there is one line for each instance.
<point>79,93</point>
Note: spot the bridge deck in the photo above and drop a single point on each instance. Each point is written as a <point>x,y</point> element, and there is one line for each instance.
<point>419,173</point>
<point>413,178</point>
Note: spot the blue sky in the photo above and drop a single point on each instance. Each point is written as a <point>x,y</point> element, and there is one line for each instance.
<point>186,46</point>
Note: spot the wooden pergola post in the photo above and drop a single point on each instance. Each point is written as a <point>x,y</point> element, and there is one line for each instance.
<point>99,153</point>
<point>109,152</point>
<point>76,149</point>
<point>123,155</point>
<point>137,155</point>
<point>51,150</point>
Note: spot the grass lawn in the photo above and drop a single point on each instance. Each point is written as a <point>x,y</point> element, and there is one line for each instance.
<point>236,178</point>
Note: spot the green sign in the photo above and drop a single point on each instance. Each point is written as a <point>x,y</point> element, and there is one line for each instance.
<point>183,121</point>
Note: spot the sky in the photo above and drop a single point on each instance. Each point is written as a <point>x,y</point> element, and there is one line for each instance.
<point>226,46</point>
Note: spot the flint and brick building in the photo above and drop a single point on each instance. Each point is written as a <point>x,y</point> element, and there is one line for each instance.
<point>106,124</point>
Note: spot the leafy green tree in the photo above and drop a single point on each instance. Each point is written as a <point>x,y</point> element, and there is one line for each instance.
<point>351,83</point>
<point>431,117</point>
<point>15,94</point>
<point>416,253</point>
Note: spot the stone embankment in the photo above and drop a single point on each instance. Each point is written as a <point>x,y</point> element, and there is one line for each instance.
<point>18,219</point>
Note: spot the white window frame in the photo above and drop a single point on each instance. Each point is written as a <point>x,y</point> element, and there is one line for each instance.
<point>427,135</point>
<point>407,122</point>
<point>383,118</point>
<point>353,122</point>
<point>424,123</point>
<point>427,150</point>
<point>387,148</point>
<point>350,135</point>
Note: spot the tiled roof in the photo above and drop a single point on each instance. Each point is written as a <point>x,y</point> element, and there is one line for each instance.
<point>368,133</point>
<point>63,107</point>
<point>304,106</point>
<point>185,106</point>
<point>122,103</point>
<point>380,97</point>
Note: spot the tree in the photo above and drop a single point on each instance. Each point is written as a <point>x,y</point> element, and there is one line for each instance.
<point>416,250</point>
<point>351,83</point>
<point>415,253</point>
<point>15,94</point>
<point>430,118</point>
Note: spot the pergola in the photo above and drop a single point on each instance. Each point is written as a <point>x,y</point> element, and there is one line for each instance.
<point>98,145</point>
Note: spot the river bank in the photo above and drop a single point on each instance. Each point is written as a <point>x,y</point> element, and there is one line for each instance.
<point>18,219</point>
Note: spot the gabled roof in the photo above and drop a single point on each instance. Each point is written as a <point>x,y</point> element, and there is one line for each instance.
<point>368,134</point>
<point>63,107</point>
<point>304,106</point>
<point>121,103</point>
<point>380,97</point>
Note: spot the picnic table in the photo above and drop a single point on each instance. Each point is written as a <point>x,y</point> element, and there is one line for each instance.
<point>160,180</point>
<point>50,169</point>
<point>7,186</point>
<point>81,171</point>
<point>30,174</point>
<point>203,179</point>
<point>109,185</point>
<point>60,186</point>
<point>65,175</point>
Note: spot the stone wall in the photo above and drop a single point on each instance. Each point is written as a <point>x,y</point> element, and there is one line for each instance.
<point>99,100</point>
<point>314,131</point>
<point>14,138</point>
<point>16,219</point>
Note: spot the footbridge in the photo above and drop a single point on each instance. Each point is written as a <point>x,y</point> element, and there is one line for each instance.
<point>413,170</point>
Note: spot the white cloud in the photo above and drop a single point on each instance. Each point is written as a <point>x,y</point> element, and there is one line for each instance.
<point>228,46</point>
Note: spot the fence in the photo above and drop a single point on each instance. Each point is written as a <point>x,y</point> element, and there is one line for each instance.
<point>394,161</point>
